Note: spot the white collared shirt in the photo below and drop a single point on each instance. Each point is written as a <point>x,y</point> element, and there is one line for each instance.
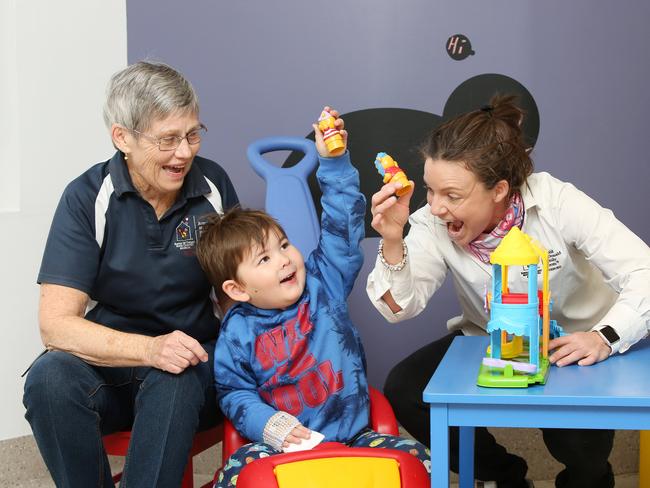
<point>599,269</point>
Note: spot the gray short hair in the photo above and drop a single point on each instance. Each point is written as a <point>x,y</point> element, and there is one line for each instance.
<point>147,91</point>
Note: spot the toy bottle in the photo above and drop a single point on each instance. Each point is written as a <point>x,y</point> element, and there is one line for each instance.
<point>331,135</point>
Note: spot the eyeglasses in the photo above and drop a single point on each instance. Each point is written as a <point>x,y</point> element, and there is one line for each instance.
<point>172,142</point>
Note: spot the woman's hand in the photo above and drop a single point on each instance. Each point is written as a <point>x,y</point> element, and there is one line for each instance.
<point>339,125</point>
<point>175,352</point>
<point>63,328</point>
<point>298,433</point>
<point>586,348</point>
<point>390,213</point>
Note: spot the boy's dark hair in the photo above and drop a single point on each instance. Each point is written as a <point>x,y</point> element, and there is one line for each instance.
<point>226,240</point>
<point>488,141</point>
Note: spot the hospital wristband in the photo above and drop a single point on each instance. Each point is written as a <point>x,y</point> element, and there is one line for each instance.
<point>278,427</point>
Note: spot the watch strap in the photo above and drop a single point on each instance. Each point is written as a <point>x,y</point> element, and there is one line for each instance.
<point>609,336</point>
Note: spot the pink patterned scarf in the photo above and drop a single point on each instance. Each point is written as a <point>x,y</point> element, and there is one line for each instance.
<point>483,245</point>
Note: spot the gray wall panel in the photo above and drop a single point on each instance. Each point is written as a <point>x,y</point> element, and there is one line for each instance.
<point>266,68</point>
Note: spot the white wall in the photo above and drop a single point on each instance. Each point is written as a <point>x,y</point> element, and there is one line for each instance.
<point>55,60</point>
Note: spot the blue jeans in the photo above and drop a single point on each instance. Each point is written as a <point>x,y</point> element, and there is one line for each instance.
<point>72,404</point>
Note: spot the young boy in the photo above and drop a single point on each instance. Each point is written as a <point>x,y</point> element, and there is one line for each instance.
<point>288,359</point>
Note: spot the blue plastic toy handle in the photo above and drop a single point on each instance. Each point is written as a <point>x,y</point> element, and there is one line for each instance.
<point>288,198</point>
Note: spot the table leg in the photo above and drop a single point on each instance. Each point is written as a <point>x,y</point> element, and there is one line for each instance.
<point>644,459</point>
<point>439,446</point>
<point>466,457</point>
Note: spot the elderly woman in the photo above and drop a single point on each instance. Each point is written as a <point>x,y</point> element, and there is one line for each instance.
<point>125,310</point>
<point>479,182</point>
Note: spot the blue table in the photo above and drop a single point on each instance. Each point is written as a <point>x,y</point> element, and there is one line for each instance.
<point>613,394</point>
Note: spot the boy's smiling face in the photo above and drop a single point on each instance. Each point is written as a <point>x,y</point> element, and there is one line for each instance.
<point>268,278</point>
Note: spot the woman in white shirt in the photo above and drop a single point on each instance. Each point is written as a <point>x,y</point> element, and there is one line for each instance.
<point>479,182</point>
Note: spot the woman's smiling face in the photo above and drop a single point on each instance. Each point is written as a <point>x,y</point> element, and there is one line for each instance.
<point>155,172</point>
<point>457,197</point>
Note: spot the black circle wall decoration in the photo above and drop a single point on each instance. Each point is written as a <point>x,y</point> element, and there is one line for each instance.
<point>475,92</point>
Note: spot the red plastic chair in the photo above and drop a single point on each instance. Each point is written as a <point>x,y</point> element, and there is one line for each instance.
<point>264,472</point>
<point>117,444</point>
<point>382,419</point>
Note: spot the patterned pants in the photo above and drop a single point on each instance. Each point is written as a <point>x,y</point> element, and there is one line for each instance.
<point>250,452</point>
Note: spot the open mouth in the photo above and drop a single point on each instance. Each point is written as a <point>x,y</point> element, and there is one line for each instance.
<point>174,170</point>
<point>454,228</point>
<point>289,278</point>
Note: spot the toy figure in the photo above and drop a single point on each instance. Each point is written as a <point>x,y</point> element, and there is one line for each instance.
<point>331,135</point>
<point>390,170</point>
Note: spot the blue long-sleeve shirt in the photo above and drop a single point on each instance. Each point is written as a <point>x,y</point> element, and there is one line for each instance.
<point>306,360</point>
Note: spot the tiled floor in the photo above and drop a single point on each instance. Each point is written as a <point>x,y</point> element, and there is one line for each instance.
<point>22,467</point>
<point>622,481</point>
<point>48,483</point>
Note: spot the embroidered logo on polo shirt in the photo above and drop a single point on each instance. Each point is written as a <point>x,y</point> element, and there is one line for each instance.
<point>186,234</point>
<point>183,231</point>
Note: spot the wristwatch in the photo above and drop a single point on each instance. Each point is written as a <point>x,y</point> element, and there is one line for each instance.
<point>609,335</point>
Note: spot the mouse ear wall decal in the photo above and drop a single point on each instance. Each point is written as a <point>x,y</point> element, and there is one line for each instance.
<point>475,93</point>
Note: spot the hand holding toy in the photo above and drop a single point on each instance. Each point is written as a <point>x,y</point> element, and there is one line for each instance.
<point>331,134</point>
<point>390,170</point>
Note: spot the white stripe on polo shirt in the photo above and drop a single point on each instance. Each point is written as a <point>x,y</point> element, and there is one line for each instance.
<point>101,207</point>
<point>214,197</point>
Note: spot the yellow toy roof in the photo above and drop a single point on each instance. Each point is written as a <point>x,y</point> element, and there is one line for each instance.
<point>515,248</point>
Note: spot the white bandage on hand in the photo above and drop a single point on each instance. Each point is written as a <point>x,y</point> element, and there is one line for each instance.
<point>278,427</point>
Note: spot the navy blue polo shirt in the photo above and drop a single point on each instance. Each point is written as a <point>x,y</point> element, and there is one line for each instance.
<point>106,241</point>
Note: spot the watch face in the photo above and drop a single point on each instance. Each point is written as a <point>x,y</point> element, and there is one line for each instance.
<point>609,333</point>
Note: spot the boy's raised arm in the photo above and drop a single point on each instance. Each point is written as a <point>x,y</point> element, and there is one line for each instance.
<point>339,256</point>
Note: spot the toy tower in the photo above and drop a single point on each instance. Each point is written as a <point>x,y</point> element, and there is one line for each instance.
<point>518,320</point>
